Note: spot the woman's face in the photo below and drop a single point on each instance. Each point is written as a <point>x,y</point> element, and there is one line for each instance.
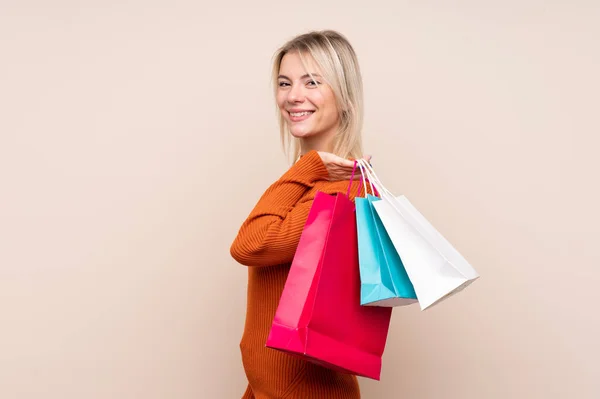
<point>309,107</point>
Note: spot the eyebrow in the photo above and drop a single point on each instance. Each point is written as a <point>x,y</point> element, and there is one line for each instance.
<point>301,77</point>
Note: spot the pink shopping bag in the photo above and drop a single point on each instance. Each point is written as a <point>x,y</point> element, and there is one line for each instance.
<point>319,316</point>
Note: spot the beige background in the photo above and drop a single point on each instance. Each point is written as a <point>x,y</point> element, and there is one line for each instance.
<point>137,135</point>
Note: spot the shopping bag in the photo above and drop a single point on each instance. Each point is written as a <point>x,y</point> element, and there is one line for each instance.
<point>435,268</point>
<point>384,281</point>
<point>319,317</point>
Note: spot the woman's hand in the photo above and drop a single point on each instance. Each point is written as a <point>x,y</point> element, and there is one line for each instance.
<point>340,168</point>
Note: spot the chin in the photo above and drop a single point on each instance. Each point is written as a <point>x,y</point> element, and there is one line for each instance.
<point>301,133</point>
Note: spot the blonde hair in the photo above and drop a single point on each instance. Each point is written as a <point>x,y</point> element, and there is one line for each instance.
<point>338,62</point>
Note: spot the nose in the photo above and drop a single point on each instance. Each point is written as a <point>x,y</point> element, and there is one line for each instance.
<point>296,94</point>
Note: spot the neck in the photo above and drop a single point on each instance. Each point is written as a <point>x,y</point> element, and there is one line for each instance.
<point>320,142</point>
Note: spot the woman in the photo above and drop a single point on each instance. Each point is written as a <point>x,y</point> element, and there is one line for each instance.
<point>318,89</point>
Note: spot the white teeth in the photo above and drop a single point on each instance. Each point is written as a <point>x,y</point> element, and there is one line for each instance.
<point>296,114</point>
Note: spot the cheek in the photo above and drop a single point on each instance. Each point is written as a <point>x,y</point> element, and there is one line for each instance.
<point>318,99</point>
<point>329,100</point>
<point>280,99</point>
<point>325,99</point>
<point>328,104</point>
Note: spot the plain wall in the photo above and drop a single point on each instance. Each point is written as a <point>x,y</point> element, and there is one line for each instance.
<point>136,136</point>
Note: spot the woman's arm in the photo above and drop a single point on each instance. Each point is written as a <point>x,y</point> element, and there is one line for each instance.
<point>271,233</point>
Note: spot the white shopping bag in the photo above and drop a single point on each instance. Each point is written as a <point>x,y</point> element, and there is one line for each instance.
<point>435,268</point>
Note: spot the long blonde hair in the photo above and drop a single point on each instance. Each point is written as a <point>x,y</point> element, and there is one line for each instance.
<point>338,62</point>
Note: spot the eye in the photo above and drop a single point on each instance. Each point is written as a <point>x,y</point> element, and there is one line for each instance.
<point>283,84</point>
<point>313,83</point>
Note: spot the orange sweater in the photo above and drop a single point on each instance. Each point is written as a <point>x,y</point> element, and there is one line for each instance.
<point>266,242</point>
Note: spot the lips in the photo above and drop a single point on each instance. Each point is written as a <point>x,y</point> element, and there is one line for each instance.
<point>299,115</point>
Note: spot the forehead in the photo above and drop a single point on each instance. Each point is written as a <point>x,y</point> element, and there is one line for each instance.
<point>292,66</point>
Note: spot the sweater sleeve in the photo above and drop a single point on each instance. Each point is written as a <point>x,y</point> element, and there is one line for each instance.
<point>270,234</point>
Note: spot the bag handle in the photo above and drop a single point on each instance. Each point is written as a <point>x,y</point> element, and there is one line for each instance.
<point>378,185</point>
<point>364,173</point>
<point>373,180</point>
<point>363,182</point>
<point>352,180</point>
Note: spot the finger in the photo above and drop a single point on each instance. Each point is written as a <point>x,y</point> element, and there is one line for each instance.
<point>345,163</point>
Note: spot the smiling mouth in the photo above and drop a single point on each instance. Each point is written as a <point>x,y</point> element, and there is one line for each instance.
<point>300,116</point>
<point>301,113</point>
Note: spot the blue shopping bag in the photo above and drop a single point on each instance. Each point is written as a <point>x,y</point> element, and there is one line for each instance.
<point>384,281</point>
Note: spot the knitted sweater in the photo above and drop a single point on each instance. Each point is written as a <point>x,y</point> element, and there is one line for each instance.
<point>266,242</point>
